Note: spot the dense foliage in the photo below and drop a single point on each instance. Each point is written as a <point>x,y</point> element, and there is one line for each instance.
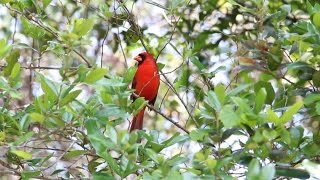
<point>239,95</point>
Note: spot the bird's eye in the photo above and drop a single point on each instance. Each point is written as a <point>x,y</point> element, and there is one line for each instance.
<point>142,56</point>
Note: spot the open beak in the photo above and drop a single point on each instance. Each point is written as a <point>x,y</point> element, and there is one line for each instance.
<point>138,58</point>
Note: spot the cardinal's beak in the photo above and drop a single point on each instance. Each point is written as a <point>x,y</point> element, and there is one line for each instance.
<point>138,58</point>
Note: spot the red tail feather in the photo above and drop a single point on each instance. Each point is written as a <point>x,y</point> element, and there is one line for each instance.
<point>137,121</point>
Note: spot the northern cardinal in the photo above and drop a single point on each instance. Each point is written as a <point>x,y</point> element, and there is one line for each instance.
<point>146,84</point>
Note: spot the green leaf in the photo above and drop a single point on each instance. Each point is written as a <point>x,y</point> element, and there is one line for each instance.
<point>23,138</point>
<point>98,140</point>
<point>272,116</point>
<point>318,108</point>
<point>197,63</point>
<point>30,174</point>
<point>311,98</point>
<point>138,104</point>
<point>22,154</point>
<point>269,90</point>
<point>130,74</point>
<point>46,3</point>
<point>128,166</point>
<point>175,174</point>
<point>4,2</point>
<point>253,170</point>
<point>2,136</point>
<point>220,92</point>
<point>102,176</point>
<point>242,104</point>
<point>48,87</point>
<point>316,19</point>
<point>112,112</point>
<point>95,75</point>
<point>15,71</point>
<point>309,7</point>
<point>238,89</point>
<point>229,117</point>
<point>4,48</point>
<point>32,30</point>
<point>70,97</point>
<point>74,153</point>
<point>101,144</point>
<point>111,133</point>
<point>267,172</point>
<point>36,117</point>
<point>105,9</point>
<point>298,65</point>
<point>287,116</point>
<point>198,134</point>
<point>176,138</point>
<point>275,55</point>
<point>82,26</point>
<point>260,99</point>
<point>152,155</point>
<point>296,134</point>
<point>176,160</point>
<point>160,66</point>
<point>213,101</point>
<point>183,80</point>
<point>11,61</point>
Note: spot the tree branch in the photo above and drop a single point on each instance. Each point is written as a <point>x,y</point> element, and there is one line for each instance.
<point>163,115</point>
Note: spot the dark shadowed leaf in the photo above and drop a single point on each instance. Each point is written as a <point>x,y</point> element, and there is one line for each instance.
<point>291,172</point>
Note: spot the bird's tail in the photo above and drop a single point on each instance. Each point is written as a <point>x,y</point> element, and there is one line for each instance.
<point>137,121</point>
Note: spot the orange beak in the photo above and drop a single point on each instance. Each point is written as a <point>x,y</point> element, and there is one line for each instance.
<point>138,58</point>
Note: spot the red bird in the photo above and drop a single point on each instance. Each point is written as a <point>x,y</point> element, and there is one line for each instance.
<point>146,84</point>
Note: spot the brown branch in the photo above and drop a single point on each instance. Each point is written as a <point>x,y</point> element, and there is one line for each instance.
<point>14,170</point>
<point>170,85</point>
<point>56,149</point>
<point>165,94</point>
<point>166,117</point>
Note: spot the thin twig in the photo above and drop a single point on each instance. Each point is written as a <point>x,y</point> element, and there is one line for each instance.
<point>104,39</point>
<point>165,94</point>
<point>15,30</point>
<point>166,117</point>
<point>181,100</point>
<point>57,160</point>
<point>122,51</point>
